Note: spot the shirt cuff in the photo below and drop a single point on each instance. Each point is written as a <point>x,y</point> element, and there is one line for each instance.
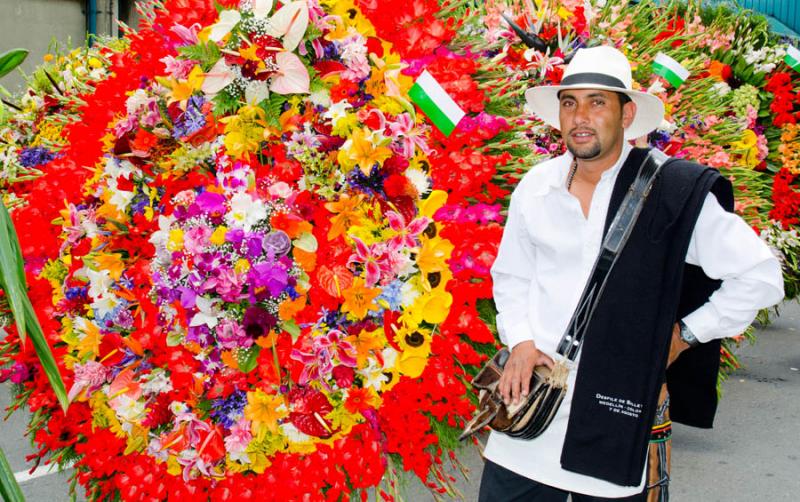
<point>513,333</point>
<point>703,323</point>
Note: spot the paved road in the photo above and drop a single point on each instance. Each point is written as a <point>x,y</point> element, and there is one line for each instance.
<point>752,454</point>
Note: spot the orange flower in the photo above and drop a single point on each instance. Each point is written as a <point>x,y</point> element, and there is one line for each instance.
<point>289,308</point>
<point>365,343</point>
<point>347,215</point>
<point>359,399</point>
<point>306,259</point>
<point>289,223</point>
<point>358,299</point>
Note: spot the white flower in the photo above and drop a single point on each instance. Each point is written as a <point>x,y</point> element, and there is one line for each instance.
<point>136,101</point>
<point>293,434</point>
<point>157,382</point>
<point>337,111</point>
<point>419,179</point>
<point>721,88</point>
<point>104,305</point>
<point>209,313</point>
<point>127,409</point>
<point>245,211</point>
<point>99,282</point>
<point>373,375</point>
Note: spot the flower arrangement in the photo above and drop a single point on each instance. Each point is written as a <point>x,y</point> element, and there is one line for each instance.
<point>271,275</point>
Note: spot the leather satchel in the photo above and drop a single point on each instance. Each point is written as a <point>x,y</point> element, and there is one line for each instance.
<point>533,414</point>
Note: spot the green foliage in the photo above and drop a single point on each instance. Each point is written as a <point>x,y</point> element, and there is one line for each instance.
<point>11,59</point>
<point>206,54</point>
<point>9,488</point>
<point>273,107</point>
<point>12,281</point>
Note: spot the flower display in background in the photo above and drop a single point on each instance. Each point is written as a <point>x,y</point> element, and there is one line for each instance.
<point>268,276</point>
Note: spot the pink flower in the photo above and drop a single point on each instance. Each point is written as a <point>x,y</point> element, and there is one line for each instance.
<point>409,135</point>
<point>196,239</point>
<point>374,258</point>
<point>231,335</point>
<point>406,234</point>
<point>90,376</point>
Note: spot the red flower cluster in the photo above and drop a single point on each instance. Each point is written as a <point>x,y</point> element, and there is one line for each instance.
<point>786,197</point>
<point>414,30</point>
<point>784,100</point>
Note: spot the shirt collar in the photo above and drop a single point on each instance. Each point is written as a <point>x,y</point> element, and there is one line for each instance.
<point>557,178</point>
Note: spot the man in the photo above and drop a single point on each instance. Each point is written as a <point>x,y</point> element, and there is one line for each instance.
<point>691,273</point>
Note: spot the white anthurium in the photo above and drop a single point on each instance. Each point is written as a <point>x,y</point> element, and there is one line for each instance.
<point>292,76</point>
<point>217,78</point>
<point>290,23</point>
<point>256,92</point>
<point>227,20</point>
<point>262,8</point>
<point>208,313</point>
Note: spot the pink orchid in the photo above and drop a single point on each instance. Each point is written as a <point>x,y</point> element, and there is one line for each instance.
<point>406,234</point>
<point>409,134</point>
<point>325,350</point>
<point>374,259</point>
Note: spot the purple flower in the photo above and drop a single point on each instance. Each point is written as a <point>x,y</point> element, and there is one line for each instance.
<point>235,236</point>
<point>277,243</point>
<point>255,245</point>
<point>268,275</point>
<point>258,322</point>
<point>228,410</point>
<point>35,156</point>
<point>192,120</point>
<point>211,203</point>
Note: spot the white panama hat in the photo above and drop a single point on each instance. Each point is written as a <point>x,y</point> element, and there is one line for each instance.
<point>604,68</point>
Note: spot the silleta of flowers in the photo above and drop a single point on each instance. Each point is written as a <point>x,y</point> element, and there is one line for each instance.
<point>268,276</point>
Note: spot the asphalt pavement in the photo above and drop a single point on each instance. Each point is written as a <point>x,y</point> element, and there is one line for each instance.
<point>752,453</point>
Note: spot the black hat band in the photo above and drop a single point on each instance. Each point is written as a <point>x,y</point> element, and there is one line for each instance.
<point>593,78</point>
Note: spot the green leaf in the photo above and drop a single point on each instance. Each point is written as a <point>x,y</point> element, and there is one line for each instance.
<point>307,242</point>
<point>45,355</point>
<point>9,488</point>
<point>12,276</point>
<point>248,358</point>
<point>292,328</point>
<point>11,59</point>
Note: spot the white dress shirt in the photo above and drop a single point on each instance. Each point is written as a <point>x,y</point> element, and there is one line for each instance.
<point>546,255</point>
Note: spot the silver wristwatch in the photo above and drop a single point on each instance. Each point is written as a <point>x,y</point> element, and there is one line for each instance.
<point>687,335</point>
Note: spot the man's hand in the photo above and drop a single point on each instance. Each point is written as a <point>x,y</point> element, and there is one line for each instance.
<point>677,345</point>
<point>516,378</point>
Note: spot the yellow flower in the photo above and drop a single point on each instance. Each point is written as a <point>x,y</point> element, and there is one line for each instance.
<point>175,242</point>
<point>182,90</point>
<point>264,410</point>
<point>748,148</point>
<point>358,299</point>
<point>434,254</point>
<point>218,237</point>
<point>111,262</point>
<point>342,126</point>
<point>364,150</point>
<point>351,16</point>
<point>415,347</point>
<point>244,131</point>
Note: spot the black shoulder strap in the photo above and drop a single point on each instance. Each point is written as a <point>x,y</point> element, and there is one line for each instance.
<point>614,242</point>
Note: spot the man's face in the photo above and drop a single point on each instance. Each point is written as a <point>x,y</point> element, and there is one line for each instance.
<point>593,122</point>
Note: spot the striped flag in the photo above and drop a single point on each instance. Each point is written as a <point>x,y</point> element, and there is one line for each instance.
<point>670,69</point>
<point>792,58</point>
<point>436,103</point>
